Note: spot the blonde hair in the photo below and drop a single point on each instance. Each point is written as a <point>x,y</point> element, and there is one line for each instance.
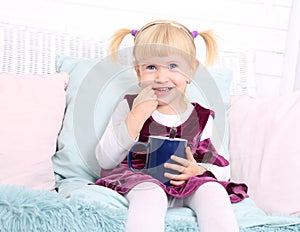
<point>162,37</point>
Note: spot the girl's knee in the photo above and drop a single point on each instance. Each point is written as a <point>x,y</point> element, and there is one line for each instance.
<point>147,186</point>
<point>209,190</point>
<point>149,191</point>
<point>213,187</point>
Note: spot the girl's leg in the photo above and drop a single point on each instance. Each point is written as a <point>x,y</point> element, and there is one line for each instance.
<point>213,208</point>
<point>148,205</point>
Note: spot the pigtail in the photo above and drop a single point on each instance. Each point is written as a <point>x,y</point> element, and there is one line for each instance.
<point>115,43</point>
<point>211,46</point>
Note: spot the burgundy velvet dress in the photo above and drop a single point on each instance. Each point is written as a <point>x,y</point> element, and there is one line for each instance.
<point>122,179</point>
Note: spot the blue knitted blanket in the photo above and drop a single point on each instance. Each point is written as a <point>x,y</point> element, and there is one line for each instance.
<point>24,209</point>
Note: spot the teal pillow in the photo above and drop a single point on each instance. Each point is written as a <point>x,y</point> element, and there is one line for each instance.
<point>95,88</point>
<point>75,159</point>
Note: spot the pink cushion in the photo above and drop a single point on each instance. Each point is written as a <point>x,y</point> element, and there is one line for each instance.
<point>265,150</point>
<point>31,114</point>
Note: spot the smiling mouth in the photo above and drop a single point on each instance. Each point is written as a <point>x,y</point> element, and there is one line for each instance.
<point>163,89</point>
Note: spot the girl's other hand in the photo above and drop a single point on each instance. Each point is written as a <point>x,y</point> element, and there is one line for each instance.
<point>186,167</point>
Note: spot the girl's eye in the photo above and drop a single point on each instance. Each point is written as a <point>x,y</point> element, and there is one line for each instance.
<point>150,67</point>
<point>172,66</point>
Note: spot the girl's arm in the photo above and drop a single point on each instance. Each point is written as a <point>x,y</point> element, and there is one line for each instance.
<point>116,141</point>
<point>189,167</point>
<point>221,173</point>
<point>143,106</point>
<point>124,128</point>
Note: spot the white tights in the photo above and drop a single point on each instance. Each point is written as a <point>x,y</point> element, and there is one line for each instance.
<point>213,208</point>
<point>148,205</point>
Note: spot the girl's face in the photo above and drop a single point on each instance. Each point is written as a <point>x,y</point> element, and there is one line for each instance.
<point>168,77</point>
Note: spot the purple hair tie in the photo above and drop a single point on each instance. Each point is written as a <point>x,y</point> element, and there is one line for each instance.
<point>133,32</point>
<point>195,33</point>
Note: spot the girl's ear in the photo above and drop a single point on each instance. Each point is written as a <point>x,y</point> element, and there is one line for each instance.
<point>138,73</point>
<point>194,67</point>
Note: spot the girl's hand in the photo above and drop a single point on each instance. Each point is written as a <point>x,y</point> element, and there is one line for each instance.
<point>186,167</point>
<point>145,103</point>
<point>143,106</point>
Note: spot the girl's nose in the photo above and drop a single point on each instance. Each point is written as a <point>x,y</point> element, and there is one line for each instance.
<point>162,74</point>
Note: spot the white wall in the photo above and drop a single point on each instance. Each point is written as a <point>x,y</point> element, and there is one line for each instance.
<point>291,65</point>
<point>257,25</point>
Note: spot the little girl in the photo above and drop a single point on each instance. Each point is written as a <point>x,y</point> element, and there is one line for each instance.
<point>165,62</point>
